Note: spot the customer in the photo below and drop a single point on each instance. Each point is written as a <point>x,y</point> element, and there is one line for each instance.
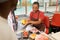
<point>5,31</point>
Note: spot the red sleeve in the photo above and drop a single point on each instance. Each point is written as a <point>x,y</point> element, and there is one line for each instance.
<point>41,16</point>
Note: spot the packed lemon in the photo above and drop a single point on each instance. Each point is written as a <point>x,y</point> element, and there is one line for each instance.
<point>23,21</point>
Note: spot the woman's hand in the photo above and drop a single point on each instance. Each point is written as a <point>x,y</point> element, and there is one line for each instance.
<point>27,22</point>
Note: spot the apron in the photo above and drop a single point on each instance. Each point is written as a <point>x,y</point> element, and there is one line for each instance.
<point>40,26</point>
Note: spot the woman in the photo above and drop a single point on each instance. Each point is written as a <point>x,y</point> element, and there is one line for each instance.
<point>36,17</point>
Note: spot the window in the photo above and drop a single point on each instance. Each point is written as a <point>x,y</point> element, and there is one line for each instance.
<point>25,6</point>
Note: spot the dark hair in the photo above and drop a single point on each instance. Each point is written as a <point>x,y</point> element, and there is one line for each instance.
<point>36,3</point>
<point>6,7</point>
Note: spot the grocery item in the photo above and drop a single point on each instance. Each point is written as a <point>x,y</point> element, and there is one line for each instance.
<point>32,36</point>
<point>16,17</point>
<point>23,21</point>
<point>34,30</point>
<point>25,34</point>
<point>41,37</point>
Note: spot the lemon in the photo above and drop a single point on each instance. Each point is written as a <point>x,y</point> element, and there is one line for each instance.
<point>23,21</point>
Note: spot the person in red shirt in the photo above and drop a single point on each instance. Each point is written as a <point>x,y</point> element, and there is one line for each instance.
<point>36,17</point>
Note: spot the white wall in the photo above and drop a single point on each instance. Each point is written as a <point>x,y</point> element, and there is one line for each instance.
<point>33,1</point>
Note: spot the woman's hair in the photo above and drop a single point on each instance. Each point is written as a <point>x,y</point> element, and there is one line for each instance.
<point>6,7</point>
<point>36,3</point>
<point>1,1</point>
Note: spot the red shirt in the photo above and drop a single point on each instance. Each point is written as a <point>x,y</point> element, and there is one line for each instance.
<point>35,15</point>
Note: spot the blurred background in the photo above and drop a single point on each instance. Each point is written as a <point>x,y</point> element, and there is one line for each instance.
<point>47,6</point>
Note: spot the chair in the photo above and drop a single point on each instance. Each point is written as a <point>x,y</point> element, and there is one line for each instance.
<point>46,22</point>
<point>56,20</point>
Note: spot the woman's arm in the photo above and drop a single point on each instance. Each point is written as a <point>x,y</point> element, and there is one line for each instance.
<point>36,22</point>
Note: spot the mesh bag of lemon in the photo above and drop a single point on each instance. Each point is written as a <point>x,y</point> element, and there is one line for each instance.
<point>23,21</point>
